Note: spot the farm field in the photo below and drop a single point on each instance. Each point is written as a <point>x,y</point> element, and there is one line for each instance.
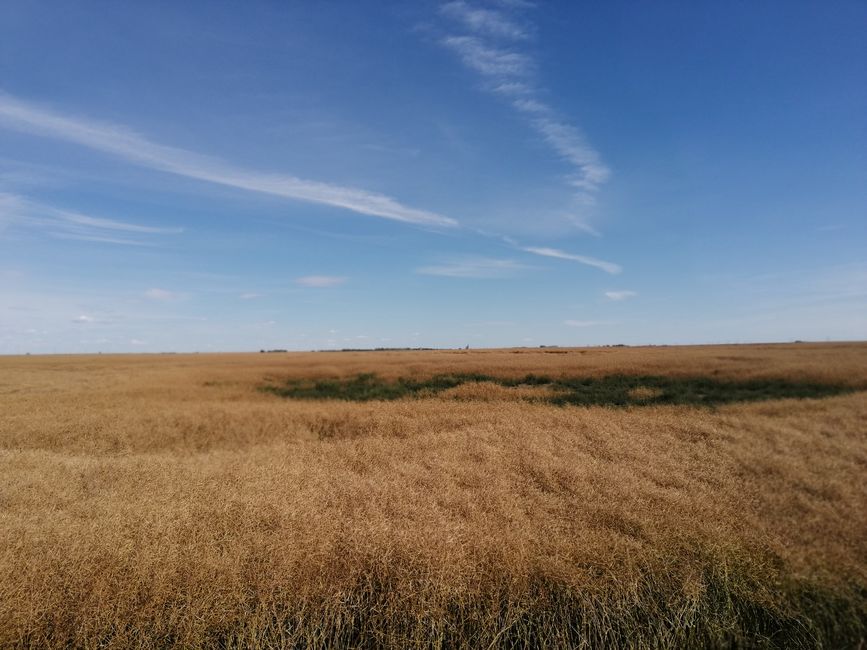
<point>701,496</point>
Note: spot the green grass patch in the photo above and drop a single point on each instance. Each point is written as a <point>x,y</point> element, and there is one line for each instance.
<point>611,390</point>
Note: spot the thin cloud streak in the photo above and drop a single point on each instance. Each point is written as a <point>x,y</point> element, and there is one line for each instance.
<point>620,295</point>
<point>100,239</point>
<point>475,268</point>
<point>67,224</point>
<point>510,73</point>
<point>127,144</point>
<point>608,267</point>
<point>488,60</point>
<point>569,143</point>
<point>320,281</point>
<point>111,224</point>
<point>162,295</point>
<point>484,20</point>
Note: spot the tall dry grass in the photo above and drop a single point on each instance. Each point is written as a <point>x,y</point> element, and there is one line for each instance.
<point>156,501</point>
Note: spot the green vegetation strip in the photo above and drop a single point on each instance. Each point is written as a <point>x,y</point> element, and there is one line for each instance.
<point>611,390</point>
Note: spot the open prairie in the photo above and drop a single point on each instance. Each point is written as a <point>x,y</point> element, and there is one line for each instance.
<point>601,497</point>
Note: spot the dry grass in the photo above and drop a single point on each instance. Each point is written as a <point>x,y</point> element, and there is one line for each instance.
<point>154,501</point>
<point>644,393</point>
<point>487,391</point>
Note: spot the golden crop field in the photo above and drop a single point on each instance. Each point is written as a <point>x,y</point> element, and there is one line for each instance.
<point>171,501</point>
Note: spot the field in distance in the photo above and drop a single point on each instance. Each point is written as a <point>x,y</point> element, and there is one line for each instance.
<point>702,496</point>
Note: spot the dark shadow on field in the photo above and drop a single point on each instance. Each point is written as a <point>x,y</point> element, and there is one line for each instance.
<point>611,390</point>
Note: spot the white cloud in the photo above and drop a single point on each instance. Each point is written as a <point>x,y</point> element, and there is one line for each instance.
<point>250,296</point>
<point>585,323</point>
<point>127,144</point>
<point>111,224</point>
<point>98,238</point>
<point>608,267</point>
<point>11,206</point>
<point>161,294</point>
<point>620,295</point>
<point>529,105</point>
<point>513,88</point>
<point>489,60</point>
<point>571,145</point>
<point>476,267</point>
<point>510,72</point>
<point>487,21</point>
<point>320,281</point>
<point>68,224</point>
<point>137,342</point>
<point>84,319</point>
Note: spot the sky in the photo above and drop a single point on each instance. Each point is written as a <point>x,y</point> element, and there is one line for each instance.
<point>221,176</point>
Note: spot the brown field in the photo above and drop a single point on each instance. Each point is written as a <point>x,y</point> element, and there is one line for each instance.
<point>165,501</point>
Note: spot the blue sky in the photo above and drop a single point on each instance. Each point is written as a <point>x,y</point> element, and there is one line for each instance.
<point>235,176</point>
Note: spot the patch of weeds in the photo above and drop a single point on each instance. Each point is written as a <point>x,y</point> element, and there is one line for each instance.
<point>368,386</point>
<point>611,390</point>
<point>627,390</point>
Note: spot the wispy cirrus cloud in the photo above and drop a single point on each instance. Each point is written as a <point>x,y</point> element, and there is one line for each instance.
<point>486,21</point>
<point>99,239</point>
<point>569,142</point>
<point>608,267</point>
<point>12,210</point>
<point>110,224</point>
<point>127,144</point>
<point>162,295</point>
<point>488,60</point>
<point>492,41</point>
<point>69,224</point>
<point>620,295</point>
<point>320,281</point>
<point>474,267</point>
<point>493,48</point>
